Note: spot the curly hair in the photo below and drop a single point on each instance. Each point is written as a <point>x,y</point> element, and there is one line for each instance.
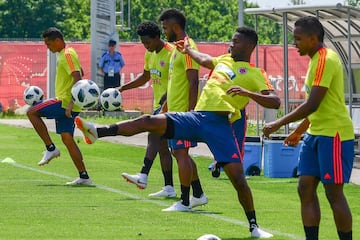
<point>148,28</point>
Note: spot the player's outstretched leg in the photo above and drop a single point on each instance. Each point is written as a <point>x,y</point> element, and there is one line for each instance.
<point>88,129</point>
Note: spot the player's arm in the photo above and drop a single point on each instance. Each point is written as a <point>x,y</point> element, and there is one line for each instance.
<point>139,81</point>
<point>193,77</point>
<point>203,59</point>
<point>317,94</point>
<point>266,98</point>
<point>77,75</point>
<point>295,136</point>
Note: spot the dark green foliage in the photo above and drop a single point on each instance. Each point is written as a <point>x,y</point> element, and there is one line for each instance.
<point>206,20</point>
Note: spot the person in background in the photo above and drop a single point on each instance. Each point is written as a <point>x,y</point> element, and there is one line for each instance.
<point>61,108</point>
<point>327,152</point>
<point>156,69</point>
<point>111,63</point>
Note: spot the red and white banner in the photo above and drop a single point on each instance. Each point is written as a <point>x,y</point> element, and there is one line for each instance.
<point>24,63</point>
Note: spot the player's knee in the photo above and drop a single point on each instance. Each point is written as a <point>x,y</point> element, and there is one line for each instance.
<point>145,119</point>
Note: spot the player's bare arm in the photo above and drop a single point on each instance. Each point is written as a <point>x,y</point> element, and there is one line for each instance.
<point>138,81</point>
<point>203,59</point>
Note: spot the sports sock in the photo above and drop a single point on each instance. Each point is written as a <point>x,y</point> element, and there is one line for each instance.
<point>197,189</point>
<point>84,175</point>
<point>185,195</point>
<point>146,166</point>
<point>251,217</point>
<point>50,147</point>
<point>345,235</point>
<point>312,232</point>
<point>168,178</point>
<point>107,131</point>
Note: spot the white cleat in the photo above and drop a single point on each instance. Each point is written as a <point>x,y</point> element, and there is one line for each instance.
<point>80,181</point>
<point>88,129</point>
<point>177,207</point>
<point>48,156</point>
<point>195,202</point>
<point>167,191</point>
<point>140,179</point>
<point>258,233</point>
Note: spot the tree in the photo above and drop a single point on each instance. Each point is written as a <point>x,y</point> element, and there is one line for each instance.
<point>23,18</point>
<point>354,3</point>
<point>213,20</point>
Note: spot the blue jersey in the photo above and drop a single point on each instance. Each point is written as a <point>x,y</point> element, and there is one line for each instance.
<point>115,62</point>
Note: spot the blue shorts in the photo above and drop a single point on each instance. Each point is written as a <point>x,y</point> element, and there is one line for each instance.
<point>156,111</point>
<point>211,128</point>
<point>239,127</point>
<point>51,109</point>
<point>180,144</point>
<point>327,158</point>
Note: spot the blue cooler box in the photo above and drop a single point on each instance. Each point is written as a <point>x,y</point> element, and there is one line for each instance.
<point>280,161</point>
<point>252,156</point>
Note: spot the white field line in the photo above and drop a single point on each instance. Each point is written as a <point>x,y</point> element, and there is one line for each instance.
<point>157,202</point>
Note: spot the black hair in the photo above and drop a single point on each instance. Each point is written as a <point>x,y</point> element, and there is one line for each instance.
<point>311,25</point>
<point>250,34</point>
<point>112,42</point>
<point>175,15</point>
<point>148,28</point>
<point>52,33</point>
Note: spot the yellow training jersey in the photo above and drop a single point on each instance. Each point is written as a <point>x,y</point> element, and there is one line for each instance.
<point>229,73</point>
<point>332,116</point>
<point>158,66</point>
<point>178,86</point>
<point>67,62</point>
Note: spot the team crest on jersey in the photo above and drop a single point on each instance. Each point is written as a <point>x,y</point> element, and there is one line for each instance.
<point>162,63</point>
<point>242,70</point>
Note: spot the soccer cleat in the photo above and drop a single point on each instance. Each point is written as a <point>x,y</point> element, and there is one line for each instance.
<point>88,129</point>
<point>48,156</point>
<point>177,207</point>
<point>167,191</point>
<point>80,181</point>
<point>258,233</point>
<point>140,179</point>
<point>195,202</point>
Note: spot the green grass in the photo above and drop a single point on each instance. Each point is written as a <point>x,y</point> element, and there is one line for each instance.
<point>35,203</point>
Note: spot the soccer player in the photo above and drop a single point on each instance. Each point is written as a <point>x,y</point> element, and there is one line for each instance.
<point>182,96</point>
<point>61,108</point>
<point>156,68</point>
<point>231,85</point>
<point>327,153</point>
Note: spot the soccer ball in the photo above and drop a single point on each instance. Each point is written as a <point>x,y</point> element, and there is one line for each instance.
<point>85,93</point>
<point>209,237</point>
<point>111,99</point>
<point>33,94</point>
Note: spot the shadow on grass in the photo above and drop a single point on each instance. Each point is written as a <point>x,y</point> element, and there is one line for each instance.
<point>64,185</point>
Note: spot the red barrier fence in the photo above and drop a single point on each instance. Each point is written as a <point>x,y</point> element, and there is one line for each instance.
<point>24,63</point>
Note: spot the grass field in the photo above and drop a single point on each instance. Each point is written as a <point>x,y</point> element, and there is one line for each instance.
<point>36,204</point>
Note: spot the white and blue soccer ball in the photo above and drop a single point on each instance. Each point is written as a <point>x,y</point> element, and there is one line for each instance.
<point>33,94</point>
<point>85,93</point>
<point>208,237</point>
<point>111,99</point>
